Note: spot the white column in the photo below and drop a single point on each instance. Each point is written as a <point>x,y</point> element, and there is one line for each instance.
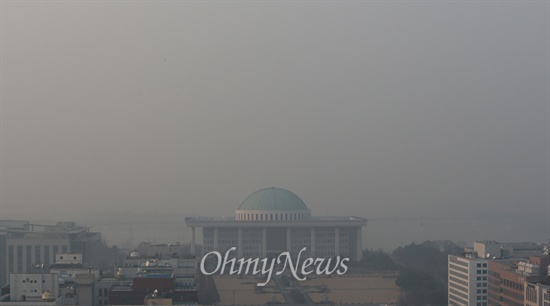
<point>288,239</point>
<point>193,241</point>
<point>336,241</point>
<point>264,242</point>
<point>312,251</point>
<point>359,244</point>
<point>215,239</point>
<point>240,242</point>
<point>24,259</point>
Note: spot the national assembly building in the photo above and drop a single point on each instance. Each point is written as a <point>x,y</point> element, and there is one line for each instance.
<point>274,220</point>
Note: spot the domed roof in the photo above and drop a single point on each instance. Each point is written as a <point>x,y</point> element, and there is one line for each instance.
<point>273,199</point>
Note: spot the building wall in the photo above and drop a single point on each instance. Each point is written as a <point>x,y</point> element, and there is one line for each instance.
<point>251,242</point>
<point>482,248</point>
<point>101,293</point>
<point>534,294</point>
<point>74,272</point>
<point>30,286</point>
<point>258,242</point>
<point>506,287</point>
<point>468,281</point>
<point>68,258</point>
<point>24,254</point>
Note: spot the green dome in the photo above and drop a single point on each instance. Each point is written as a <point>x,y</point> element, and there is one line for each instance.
<point>273,199</point>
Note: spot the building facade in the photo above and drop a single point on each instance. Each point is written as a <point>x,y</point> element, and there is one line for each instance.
<point>274,220</point>
<point>468,280</point>
<point>537,294</point>
<point>509,280</point>
<point>25,246</point>
<point>31,286</point>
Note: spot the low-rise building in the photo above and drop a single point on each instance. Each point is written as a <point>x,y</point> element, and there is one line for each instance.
<point>32,286</point>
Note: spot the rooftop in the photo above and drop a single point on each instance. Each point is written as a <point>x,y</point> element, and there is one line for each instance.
<point>273,199</point>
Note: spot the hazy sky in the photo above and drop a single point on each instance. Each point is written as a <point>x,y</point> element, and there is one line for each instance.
<point>375,109</point>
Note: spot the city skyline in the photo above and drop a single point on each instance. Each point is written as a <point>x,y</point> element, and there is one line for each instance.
<point>417,111</point>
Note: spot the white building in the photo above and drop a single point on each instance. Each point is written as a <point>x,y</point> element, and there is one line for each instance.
<point>468,280</point>
<point>275,220</point>
<point>68,258</point>
<point>31,286</point>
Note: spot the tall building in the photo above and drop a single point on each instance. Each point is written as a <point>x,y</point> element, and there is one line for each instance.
<point>275,220</point>
<point>24,246</point>
<point>468,280</point>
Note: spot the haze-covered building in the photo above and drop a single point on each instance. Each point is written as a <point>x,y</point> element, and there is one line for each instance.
<point>25,246</point>
<point>275,220</point>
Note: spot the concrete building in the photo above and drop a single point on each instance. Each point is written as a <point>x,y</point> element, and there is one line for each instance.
<point>31,286</point>
<point>509,278</point>
<point>537,294</point>
<point>69,266</point>
<point>24,246</point>
<point>275,220</point>
<point>468,280</point>
<point>498,250</point>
